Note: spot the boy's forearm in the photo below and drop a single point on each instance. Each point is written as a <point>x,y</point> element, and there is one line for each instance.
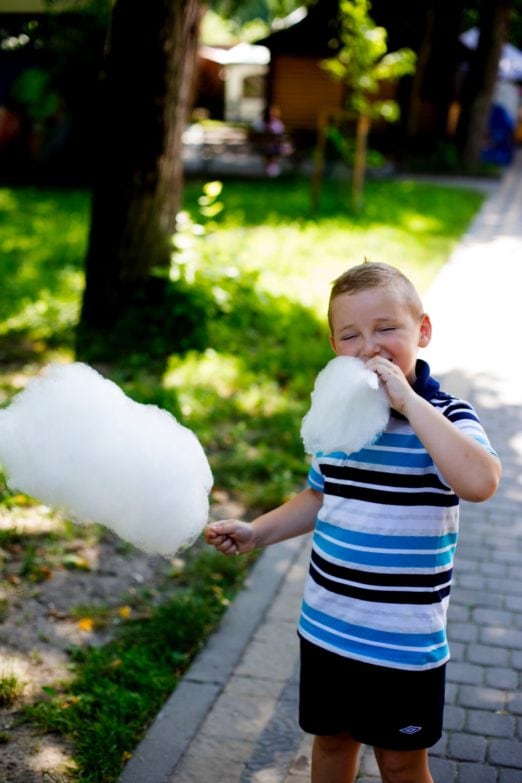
<point>294,518</point>
<point>469,469</point>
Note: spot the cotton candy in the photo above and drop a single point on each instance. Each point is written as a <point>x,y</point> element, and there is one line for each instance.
<point>349,408</point>
<point>74,440</point>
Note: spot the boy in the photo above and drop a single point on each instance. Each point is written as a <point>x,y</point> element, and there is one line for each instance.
<point>373,620</point>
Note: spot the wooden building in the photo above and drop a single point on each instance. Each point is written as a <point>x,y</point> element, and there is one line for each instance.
<point>297,83</point>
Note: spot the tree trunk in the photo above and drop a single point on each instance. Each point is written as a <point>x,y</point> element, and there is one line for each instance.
<point>359,167</point>
<point>480,84</point>
<point>145,91</point>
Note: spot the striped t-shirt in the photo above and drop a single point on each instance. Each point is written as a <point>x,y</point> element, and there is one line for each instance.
<point>382,554</point>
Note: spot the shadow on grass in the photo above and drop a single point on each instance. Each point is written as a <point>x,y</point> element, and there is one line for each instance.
<point>440,209</point>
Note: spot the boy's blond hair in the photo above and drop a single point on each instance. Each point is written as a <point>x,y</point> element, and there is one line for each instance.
<point>375,275</point>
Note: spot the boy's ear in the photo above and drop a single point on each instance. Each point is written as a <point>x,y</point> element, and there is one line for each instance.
<point>425,331</point>
<point>332,343</point>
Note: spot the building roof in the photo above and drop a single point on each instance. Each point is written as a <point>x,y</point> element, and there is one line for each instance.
<point>313,34</point>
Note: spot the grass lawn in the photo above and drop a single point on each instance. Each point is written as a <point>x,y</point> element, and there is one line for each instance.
<point>265,264</point>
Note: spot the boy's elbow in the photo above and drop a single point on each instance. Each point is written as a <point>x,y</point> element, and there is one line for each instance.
<point>484,486</point>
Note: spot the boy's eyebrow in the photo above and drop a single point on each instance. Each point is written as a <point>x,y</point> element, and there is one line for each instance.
<point>379,319</point>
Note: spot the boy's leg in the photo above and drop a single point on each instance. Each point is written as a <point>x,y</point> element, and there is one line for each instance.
<point>403,766</point>
<point>335,759</point>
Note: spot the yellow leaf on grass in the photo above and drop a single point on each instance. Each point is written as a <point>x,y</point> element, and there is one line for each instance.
<point>124,611</point>
<point>85,624</point>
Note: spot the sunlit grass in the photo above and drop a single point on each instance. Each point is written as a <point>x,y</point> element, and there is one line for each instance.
<point>270,228</point>
<point>42,246</point>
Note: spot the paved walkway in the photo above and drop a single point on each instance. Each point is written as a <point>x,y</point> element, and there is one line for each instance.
<point>233,718</point>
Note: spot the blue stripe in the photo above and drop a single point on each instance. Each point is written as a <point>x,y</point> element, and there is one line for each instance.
<point>420,640</point>
<point>374,541</point>
<point>394,440</point>
<point>485,442</point>
<point>315,479</point>
<point>381,655</point>
<point>393,559</point>
<point>420,459</point>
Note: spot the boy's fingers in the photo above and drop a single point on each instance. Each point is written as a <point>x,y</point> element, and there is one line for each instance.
<point>222,528</point>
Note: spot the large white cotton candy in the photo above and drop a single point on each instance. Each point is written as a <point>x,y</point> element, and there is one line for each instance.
<point>74,440</point>
<point>349,408</point>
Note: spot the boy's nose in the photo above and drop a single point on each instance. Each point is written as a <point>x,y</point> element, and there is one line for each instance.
<point>370,347</point>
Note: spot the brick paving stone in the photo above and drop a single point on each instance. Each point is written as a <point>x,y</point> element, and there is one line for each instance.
<point>516,659</point>
<point>458,651</point>
<point>514,703</point>
<point>472,581</point>
<point>467,747</point>
<point>506,753</point>
<point>474,598</point>
<point>483,616</point>
<point>503,637</point>
<point>509,776</point>
<point>501,585</point>
<point>467,673</point>
<point>451,693</point>
<point>487,655</point>
<point>368,765</point>
<point>454,718</point>
<point>443,770</point>
<point>441,747</point>
<point>457,613</point>
<point>502,678</point>
<point>463,632</point>
<point>481,698</point>
<point>506,556</point>
<point>477,773</point>
<point>493,569</point>
<point>493,724</point>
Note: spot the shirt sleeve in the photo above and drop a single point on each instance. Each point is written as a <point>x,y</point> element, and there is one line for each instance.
<point>315,476</point>
<point>463,415</point>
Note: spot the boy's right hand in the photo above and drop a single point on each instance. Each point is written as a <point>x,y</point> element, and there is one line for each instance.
<point>230,536</point>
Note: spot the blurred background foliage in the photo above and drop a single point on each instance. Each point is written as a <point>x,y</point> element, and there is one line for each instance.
<point>241,372</point>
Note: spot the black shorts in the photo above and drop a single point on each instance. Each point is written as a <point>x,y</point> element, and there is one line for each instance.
<point>395,709</point>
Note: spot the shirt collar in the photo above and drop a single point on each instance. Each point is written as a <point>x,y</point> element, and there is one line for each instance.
<point>424,384</point>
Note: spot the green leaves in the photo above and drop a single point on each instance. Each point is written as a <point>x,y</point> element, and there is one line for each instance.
<point>363,62</point>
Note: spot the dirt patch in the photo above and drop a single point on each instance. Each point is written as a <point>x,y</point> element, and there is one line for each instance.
<point>63,585</point>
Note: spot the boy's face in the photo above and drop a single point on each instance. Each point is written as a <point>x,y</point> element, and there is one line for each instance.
<point>379,322</point>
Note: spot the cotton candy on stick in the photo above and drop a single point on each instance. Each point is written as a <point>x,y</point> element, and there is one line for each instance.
<point>349,408</point>
<point>74,440</point>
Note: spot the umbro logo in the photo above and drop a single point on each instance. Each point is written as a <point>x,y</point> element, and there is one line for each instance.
<point>410,729</point>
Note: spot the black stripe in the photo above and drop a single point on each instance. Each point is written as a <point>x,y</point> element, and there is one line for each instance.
<point>382,478</point>
<point>373,495</point>
<point>378,578</point>
<point>378,596</point>
<point>460,410</point>
<point>462,415</point>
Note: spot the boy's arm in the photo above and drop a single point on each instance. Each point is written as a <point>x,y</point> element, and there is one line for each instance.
<point>470,470</point>
<point>294,518</point>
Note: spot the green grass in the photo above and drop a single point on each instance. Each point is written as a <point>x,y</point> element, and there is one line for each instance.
<point>265,269</point>
<point>118,688</point>
<point>11,688</point>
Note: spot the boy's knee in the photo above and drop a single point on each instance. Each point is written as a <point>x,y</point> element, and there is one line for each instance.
<point>403,767</point>
<point>332,744</point>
